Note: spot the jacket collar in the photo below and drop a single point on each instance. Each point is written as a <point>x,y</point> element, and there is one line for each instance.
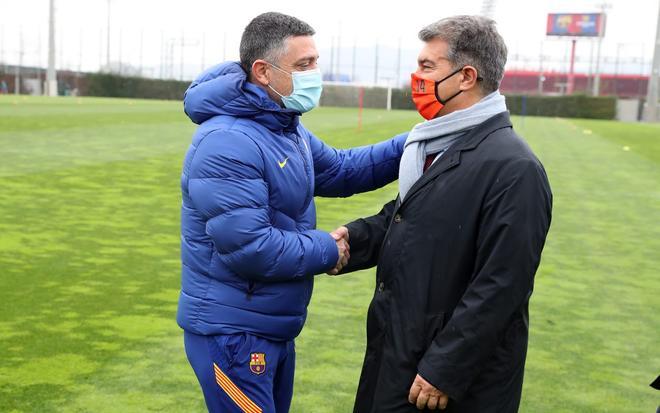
<point>452,157</point>
<point>224,89</point>
<point>481,132</point>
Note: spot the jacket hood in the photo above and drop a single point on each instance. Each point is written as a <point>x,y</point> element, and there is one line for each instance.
<point>224,90</point>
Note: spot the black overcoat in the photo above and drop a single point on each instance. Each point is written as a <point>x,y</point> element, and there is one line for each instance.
<point>456,263</point>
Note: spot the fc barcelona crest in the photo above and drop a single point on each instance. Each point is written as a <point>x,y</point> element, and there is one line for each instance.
<point>257,363</point>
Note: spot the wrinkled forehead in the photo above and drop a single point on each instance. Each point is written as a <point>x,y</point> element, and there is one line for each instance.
<point>434,51</point>
<point>299,50</point>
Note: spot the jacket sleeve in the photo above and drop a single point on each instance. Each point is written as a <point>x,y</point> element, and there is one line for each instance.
<point>226,185</point>
<point>344,172</point>
<point>515,218</point>
<point>366,237</point>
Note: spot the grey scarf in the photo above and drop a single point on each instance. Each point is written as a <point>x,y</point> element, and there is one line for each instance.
<point>437,135</point>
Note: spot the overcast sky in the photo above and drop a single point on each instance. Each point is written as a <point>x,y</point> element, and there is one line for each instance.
<point>212,29</point>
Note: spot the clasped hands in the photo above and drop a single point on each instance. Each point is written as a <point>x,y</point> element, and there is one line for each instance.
<point>340,235</point>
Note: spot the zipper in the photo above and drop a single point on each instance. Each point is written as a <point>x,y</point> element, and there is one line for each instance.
<point>304,158</point>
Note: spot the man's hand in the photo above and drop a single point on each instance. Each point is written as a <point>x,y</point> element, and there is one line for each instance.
<point>340,236</point>
<point>424,395</point>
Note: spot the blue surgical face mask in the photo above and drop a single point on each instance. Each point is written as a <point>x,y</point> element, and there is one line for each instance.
<point>307,88</point>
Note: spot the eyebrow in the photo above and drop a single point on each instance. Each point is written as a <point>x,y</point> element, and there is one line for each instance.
<point>424,61</point>
<point>305,59</point>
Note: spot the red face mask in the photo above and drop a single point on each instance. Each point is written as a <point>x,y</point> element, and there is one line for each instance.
<point>425,95</point>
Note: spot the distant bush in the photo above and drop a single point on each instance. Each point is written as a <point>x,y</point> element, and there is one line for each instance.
<point>374,97</point>
<point>109,85</point>
<point>573,106</point>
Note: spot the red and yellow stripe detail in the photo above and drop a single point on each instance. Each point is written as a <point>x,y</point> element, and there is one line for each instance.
<point>241,400</point>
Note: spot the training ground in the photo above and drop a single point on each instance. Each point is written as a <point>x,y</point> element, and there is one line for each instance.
<point>89,263</point>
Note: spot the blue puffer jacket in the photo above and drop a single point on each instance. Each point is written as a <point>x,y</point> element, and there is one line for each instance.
<point>249,249</point>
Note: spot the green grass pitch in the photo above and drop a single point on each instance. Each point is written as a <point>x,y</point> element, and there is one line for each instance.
<point>89,263</point>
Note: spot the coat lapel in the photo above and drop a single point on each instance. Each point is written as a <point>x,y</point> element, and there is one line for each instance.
<point>447,161</point>
<point>452,157</point>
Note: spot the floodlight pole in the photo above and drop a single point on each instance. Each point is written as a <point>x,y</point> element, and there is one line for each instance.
<point>141,52</point>
<point>601,34</point>
<point>17,71</point>
<point>107,49</point>
<point>541,78</point>
<point>51,76</point>
<point>181,58</point>
<point>571,72</point>
<point>203,52</point>
<point>376,66</point>
<point>163,50</point>
<point>652,94</point>
<point>488,8</point>
<point>397,79</point>
<point>353,62</point>
<point>338,60</point>
<point>120,46</point>
<point>596,89</point>
<point>332,58</point>
<point>100,49</point>
<point>224,47</point>
<point>591,66</point>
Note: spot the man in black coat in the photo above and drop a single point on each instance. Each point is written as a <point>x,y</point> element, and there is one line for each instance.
<point>458,249</point>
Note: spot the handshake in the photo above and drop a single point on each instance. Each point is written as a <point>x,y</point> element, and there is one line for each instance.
<point>340,236</point>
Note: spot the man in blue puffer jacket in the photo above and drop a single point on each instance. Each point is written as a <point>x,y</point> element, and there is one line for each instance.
<point>249,247</point>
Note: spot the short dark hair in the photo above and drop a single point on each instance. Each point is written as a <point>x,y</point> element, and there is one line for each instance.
<point>264,37</point>
<point>474,41</point>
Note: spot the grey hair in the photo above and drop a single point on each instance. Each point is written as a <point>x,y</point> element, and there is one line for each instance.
<point>474,41</point>
<point>264,37</point>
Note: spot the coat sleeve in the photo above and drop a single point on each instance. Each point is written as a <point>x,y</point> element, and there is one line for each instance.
<point>226,185</point>
<point>366,236</point>
<point>344,172</point>
<point>515,218</point>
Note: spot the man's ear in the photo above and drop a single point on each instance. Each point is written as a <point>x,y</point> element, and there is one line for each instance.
<point>260,73</point>
<point>470,78</point>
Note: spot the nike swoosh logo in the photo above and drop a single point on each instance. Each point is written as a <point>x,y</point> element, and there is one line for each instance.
<point>283,164</point>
